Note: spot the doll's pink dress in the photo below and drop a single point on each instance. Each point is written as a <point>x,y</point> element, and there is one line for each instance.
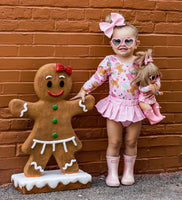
<point>122,103</point>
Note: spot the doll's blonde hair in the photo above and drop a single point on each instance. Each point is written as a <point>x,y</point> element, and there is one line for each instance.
<point>109,20</point>
<point>144,71</point>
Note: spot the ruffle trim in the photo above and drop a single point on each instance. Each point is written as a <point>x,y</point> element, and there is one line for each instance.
<point>120,110</point>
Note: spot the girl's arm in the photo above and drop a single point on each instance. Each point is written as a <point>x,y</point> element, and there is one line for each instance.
<point>78,107</point>
<point>99,77</point>
<point>96,80</point>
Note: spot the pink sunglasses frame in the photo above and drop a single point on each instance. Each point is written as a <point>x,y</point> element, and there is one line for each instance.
<point>121,42</point>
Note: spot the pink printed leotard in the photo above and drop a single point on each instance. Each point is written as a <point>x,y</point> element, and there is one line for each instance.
<point>122,102</point>
<point>119,79</point>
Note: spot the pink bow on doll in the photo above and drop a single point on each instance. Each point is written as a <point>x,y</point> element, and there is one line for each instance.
<point>148,59</point>
<point>107,28</point>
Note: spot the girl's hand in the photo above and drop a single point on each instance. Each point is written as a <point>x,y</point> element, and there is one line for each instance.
<point>81,95</point>
<point>150,94</point>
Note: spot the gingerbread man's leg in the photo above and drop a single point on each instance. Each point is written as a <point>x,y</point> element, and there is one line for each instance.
<point>37,161</point>
<point>66,161</point>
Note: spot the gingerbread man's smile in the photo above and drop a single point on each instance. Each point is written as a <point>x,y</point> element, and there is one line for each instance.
<point>49,84</point>
<point>55,95</point>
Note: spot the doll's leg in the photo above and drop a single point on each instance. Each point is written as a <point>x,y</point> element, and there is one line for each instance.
<point>66,161</point>
<point>114,131</point>
<point>37,161</point>
<point>144,106</point>
<point>149,113</point>
<point>156,109</point>
<point>131,137</point>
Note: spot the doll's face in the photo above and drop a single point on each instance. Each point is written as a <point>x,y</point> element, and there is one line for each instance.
<point>153,79</point>
<point>51,85</point>
<point>126,47</point>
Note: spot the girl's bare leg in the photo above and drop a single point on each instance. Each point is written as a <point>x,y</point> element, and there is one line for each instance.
<point>131,137</point>
<point>114,132</point>
<point>132,134</point>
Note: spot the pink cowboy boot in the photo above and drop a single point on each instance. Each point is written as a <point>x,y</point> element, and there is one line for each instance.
<point>156,109</point>
<point>112,177</point>
<point>128,177</point>
<point>153,119</point>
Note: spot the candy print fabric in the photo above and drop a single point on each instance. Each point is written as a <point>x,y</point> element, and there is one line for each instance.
<point>122,102</point>
<point>120,79</point>
<point>100,76</point>
<point>142,97</point>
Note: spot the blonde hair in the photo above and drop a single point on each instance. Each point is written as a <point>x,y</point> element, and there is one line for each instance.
<point>109,20</point>
<point>144,71</point>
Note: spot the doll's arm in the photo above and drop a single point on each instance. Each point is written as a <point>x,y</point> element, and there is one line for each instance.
<point>80,107</point>
<point>145,89</point>
<point>148,88</point>
<point>160,93</point>
<point>157,84</point>
<point>20,108</point>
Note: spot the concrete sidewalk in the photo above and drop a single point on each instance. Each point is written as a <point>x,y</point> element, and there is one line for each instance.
<point>165,186</point>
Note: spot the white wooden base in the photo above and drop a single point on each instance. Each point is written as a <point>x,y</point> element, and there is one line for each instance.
<point>50,181</point>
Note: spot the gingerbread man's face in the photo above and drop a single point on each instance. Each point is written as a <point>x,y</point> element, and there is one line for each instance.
<point>52,84</point>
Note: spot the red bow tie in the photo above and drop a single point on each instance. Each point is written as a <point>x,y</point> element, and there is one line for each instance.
<point>60,68</point>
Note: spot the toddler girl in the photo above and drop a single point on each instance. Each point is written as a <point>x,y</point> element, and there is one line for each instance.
<point>148,75</point>
<point>121,107</point>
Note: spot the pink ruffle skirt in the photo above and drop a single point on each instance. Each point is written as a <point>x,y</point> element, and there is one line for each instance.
<point>119,110</point>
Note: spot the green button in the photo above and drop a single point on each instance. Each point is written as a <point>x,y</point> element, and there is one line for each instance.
<point>55,107</point>
<point>54,135</point>
<point>54,121</point>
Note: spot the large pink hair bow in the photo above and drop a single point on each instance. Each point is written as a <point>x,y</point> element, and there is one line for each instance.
<point>107,28</point>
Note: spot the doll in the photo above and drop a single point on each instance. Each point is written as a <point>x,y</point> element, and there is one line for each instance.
<point>147,76</point>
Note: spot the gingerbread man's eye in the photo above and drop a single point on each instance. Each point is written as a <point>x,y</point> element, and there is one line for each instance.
<point>61,83</point>
<point>49,83</point>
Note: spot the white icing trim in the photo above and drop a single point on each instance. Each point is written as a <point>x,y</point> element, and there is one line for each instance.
<point>53,147</point>
<point>51,178</point>
<point>74,141</point>
<point>65,148</point>
<point>82,106</point>
<point>24,110</point>
<point>69,164</point>
<point>43,148</point>
<point>61,76</point>
<point>49,76</point>
<point>53,143</point>
<point>36,167</point>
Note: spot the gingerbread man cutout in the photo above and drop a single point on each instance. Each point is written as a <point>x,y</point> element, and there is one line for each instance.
<point>52,133</point>
<point>119,68</point>
<point>132,89</point>
<point>115,82</point>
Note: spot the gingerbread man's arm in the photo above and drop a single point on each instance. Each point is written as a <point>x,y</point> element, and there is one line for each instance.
<point>80,107</point>
<point>20,108</point>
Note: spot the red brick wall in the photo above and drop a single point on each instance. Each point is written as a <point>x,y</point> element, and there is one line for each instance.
<point>36,32</point>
